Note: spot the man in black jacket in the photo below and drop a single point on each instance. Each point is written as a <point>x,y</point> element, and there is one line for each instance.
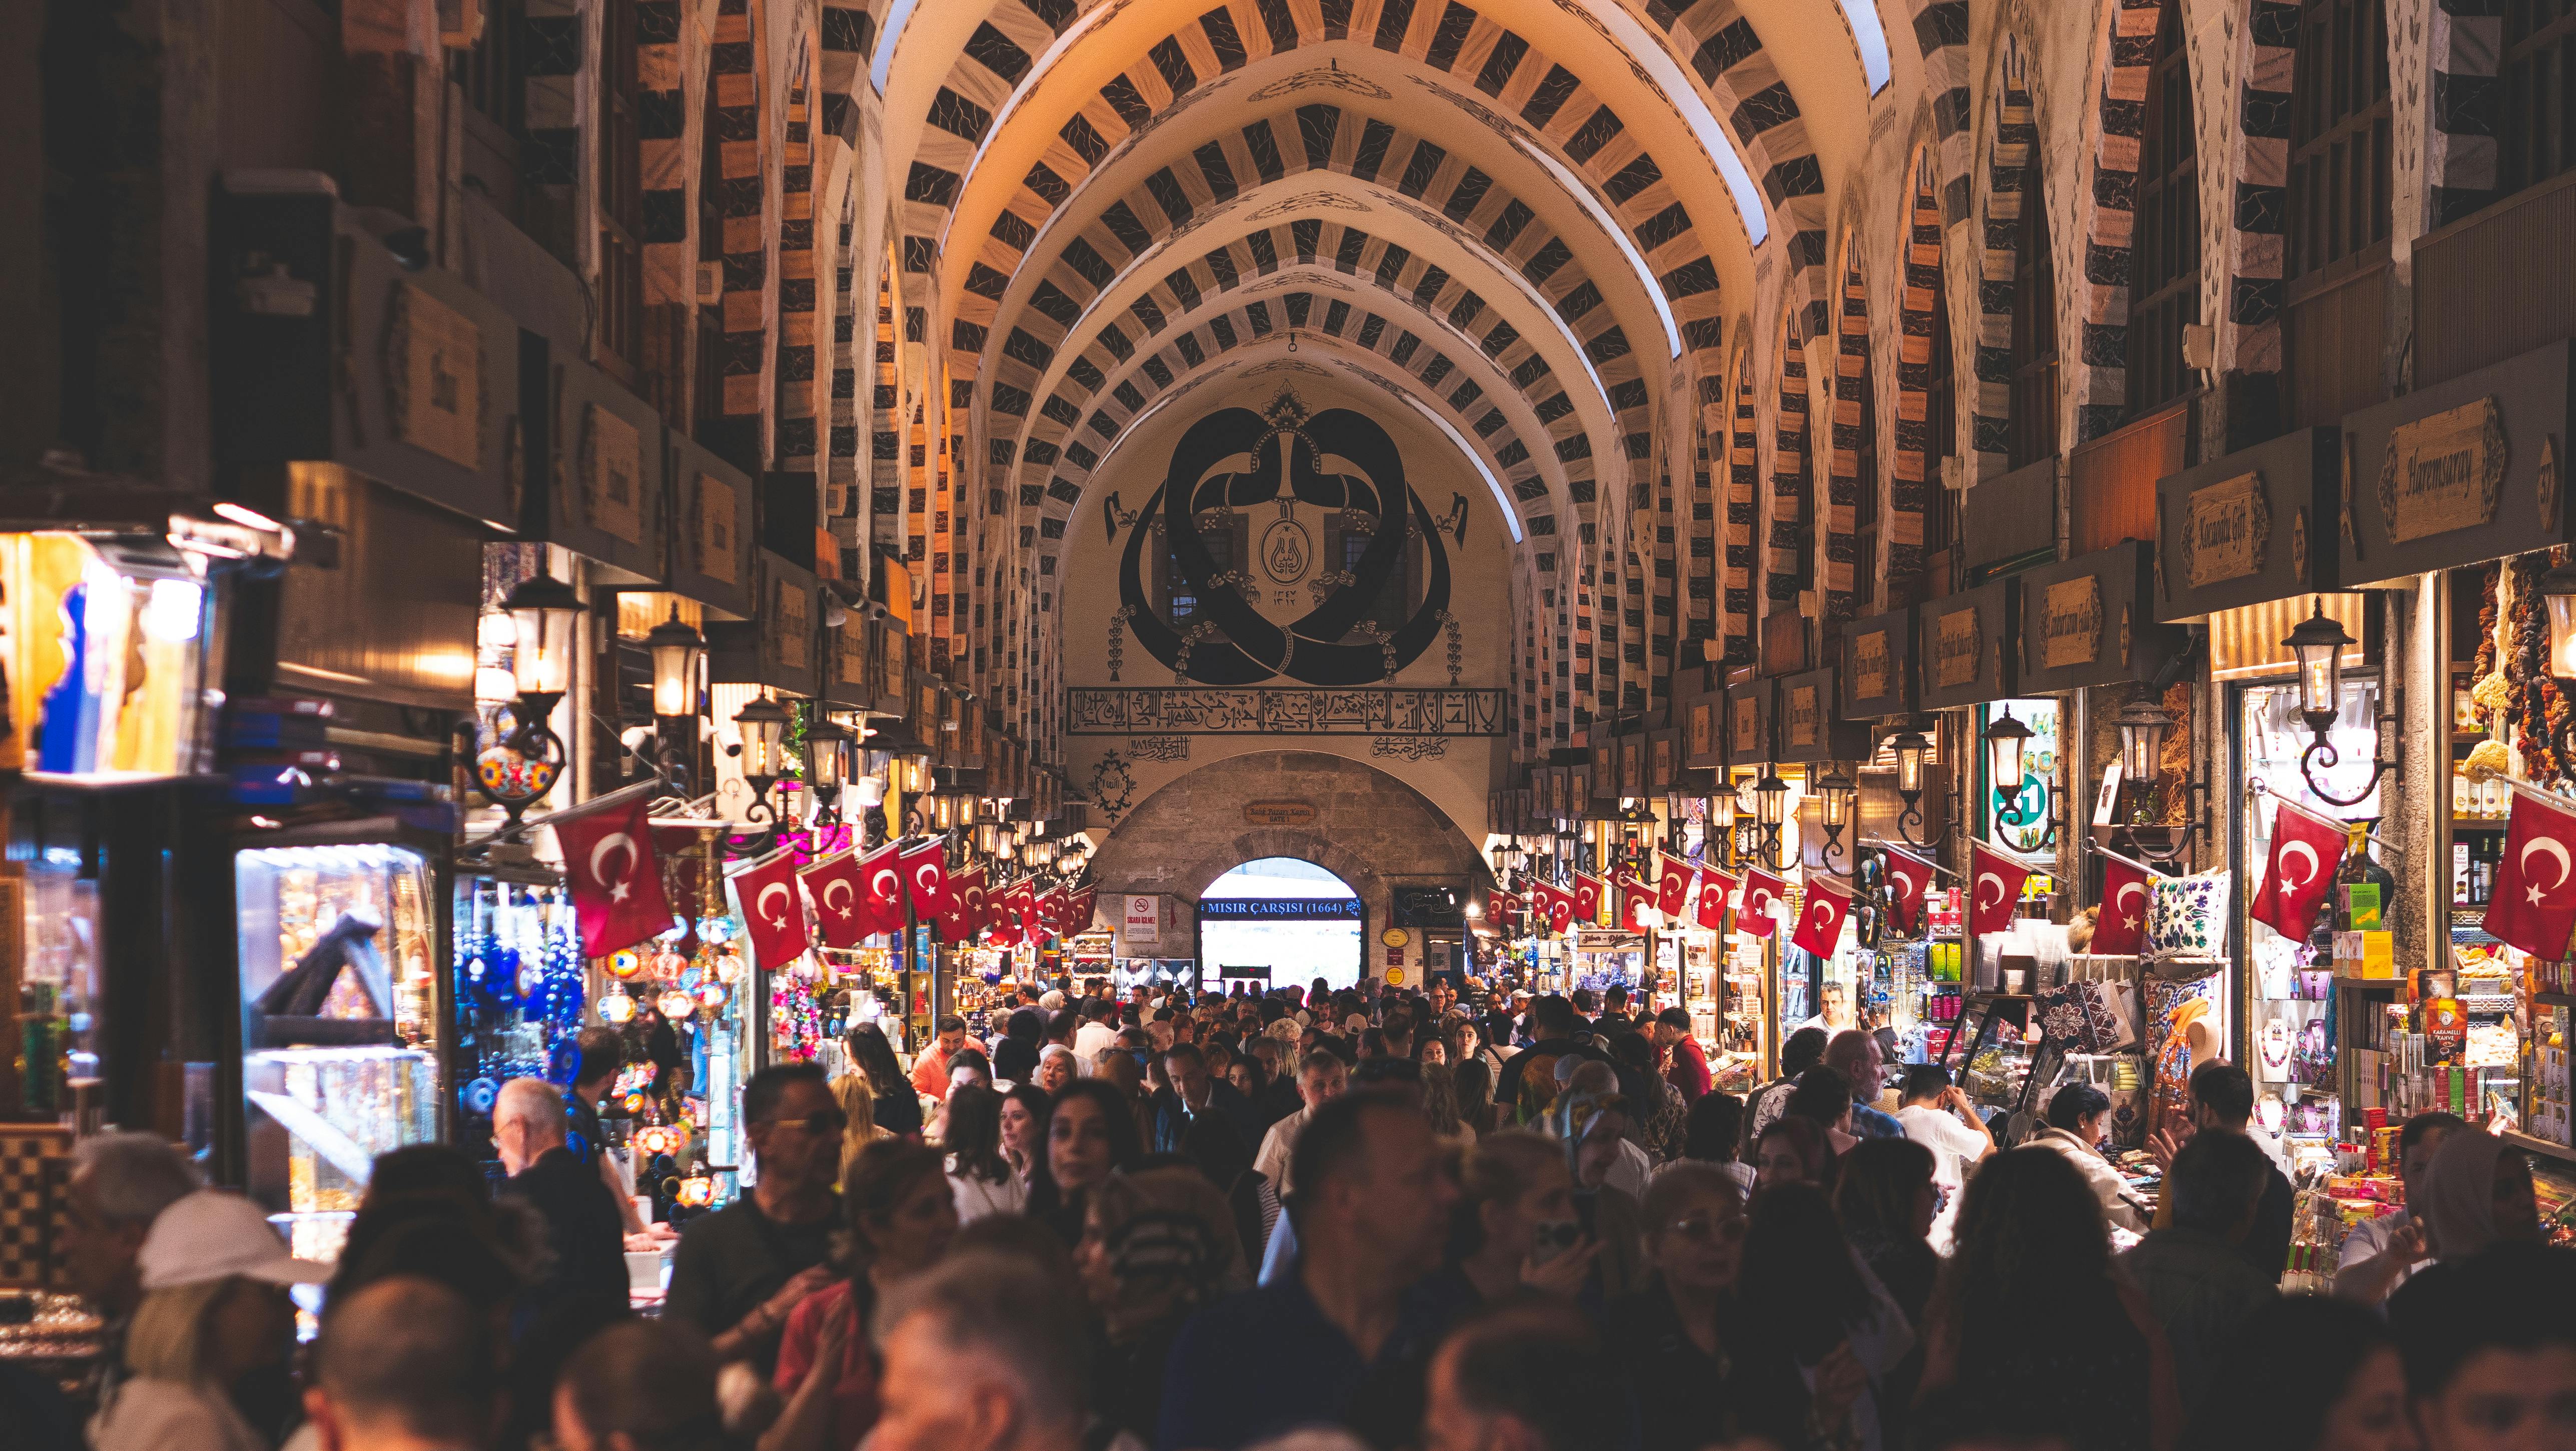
<point>1559,1033</point>
<point>582,1223</point>
<point>1194,1091</point>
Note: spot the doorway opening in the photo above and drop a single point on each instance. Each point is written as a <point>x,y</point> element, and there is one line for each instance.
<point>1279,921</point>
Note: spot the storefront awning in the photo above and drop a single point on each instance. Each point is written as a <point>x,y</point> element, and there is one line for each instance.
<point>2458,473</point>
<point>2253,527</point>
<point>2091,621</point>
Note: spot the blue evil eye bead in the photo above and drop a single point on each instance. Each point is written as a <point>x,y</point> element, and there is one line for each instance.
<point>480,1095</point>
<point>562,1061</point>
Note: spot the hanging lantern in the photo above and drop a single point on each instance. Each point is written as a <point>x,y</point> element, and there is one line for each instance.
<point>762,723</point>
<point>676,648</point>
<point>617,1009</point>
<point>543,611</point>
<point>2142,739</point>
<point>676,1005</point>
<point>711,997</point>
<point>826,745</point>
<point>1836,791</point>
<point>2005,739</point>
<point>625,964</point>
<point>2318,645</point>
<point>696,1192</point>
<point>1770,800</point>
<point>1911,748</point>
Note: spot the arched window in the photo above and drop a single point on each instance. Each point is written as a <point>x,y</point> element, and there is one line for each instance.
<point>2034,328</point>
<point>2335,251</point>
<point>2164,247</point>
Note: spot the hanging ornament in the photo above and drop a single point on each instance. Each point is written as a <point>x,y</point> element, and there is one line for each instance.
<point>618,1008</point>
<point>668,965</point>
<point>625,964</point>
<point>711,997</point>
<point>728,966</point>
<point>676,1005</point>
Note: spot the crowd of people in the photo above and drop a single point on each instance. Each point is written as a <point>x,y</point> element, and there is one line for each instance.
<point>1307,1221</point>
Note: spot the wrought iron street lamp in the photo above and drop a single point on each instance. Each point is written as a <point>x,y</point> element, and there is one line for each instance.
<point>2318,645</point>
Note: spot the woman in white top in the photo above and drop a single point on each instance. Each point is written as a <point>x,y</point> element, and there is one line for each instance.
<point>214,1310</point>
<point>977,1170</point>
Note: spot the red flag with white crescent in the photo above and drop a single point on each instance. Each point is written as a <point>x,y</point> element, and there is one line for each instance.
<point>1587,899</point>
<point>2305,851</point>
<point>1909,878</point>
<point>616,878</point>
<point>1636,898</point>
<point>1820,922</point>
<point>840,900</point>
<point>1994,889</point>
<point>1080,908</point>
<point>881,879</point>
<point>2533,906</point>
<point>1715,890</point>
<point>925,877</point>
<point>1555,904</point>
<point>964,916</point>
<point>1500,905</point>
<point>1019,909</point>
<point>1760,914</point>
<point>2120,928</point>
<point>1050,910</point>
<point>1672,888</point>
<point>772,912</point>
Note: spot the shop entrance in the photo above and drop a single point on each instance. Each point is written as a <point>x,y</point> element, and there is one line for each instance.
<point>1280,921</point>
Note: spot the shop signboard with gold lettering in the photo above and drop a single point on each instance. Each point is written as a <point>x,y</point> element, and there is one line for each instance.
<point>2457,473</point>
<point>1878,666</point>
<point>597,470</point>
<point>2255,526</point>
<point>1750,708</point>
<point>776,648</point>
<point>2091,621</point>
<point>710,546</point>
<point>1812,727</point>
<point>1966,655</point>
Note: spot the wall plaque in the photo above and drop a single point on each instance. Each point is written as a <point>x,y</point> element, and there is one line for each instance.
<point>716,544</point>
<point>1872,676</point>
<point>2227,529</point>
<point>2444,472</point>
<point>1805,715</point>
<point>1703,731</point>
<point>434,372</point>
<point>790,624</point>
<point>2070,622</point>
<point>1278,813</point>
<point>612,471</point>
<point>1746,731</point>
<point>850,661</point>
<point>1092,710</point>
<point>1954,649</point>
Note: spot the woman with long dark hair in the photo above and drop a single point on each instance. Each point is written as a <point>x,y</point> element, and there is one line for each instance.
<point>901,1216</point>
<point>1091,1133</point>
<point>2033,1263</point>
<point>982,1178</point>
<point>1025,1110</point>
<point>1157,1247</point>
<point>1815,1341</point>
<point>898,1108</point>
<point>1886,1201</point>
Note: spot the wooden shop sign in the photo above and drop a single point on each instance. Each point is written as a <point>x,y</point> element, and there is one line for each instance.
<point>790,624</point>
<point>1803,716</point>
<point>1956,648</point>
<point>716,550</point>
<point>2070,622</point>
<point>2444,472</point>
<point>2227,530</point>
<point>434,373</point>
<point>1871,666</point>
<point>1279,813</point>
<point>612,474</point>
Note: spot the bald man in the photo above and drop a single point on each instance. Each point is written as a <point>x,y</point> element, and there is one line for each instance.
<point>581,1216</point>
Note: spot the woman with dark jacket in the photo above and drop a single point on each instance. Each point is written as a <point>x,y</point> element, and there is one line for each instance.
<point>1090,1134</point>
<point>1158,1246</point>
<point>898,1109</point>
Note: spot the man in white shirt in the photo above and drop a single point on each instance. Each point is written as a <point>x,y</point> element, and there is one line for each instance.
<point>2380,1255</point>
<point>1321,1078</point>
<point>1939,1116</point>
<point>1096,1031</point>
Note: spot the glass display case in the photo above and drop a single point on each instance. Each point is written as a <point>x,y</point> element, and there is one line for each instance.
<point>340,1001</point>
<point>55,910</point>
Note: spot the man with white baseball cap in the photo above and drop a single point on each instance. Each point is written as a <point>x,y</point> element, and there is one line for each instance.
<point>214,1312</point>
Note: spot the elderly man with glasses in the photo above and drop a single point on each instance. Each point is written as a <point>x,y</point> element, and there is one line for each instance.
<point>740,1270</point>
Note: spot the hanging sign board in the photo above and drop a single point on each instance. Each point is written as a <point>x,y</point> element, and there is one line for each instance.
<point>2457,472</point>
<point>1878,666</point>
<point>2091,621</point>
<point>1811,725</point>
<point>2253,527</point>
<point>1965,658</point>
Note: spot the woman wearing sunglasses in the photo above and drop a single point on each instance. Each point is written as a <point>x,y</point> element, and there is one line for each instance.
<point>1667,1332</point>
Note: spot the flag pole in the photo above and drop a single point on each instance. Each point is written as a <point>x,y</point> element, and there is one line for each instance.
<point>1910,855</point>
<point>2104,851</point>
<point>2339,824</point>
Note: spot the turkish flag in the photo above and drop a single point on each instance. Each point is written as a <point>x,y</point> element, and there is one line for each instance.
<point>840,896</point>
<point>964,914</point>
<point>2533,906</point>
<point>1554,907</point>
<point>1672,888</point>
<point>1079,908</point>
<point>1018,909</point>
<point>1820,924</point>
<point>1500,906</point>
<point>1994,889</point>
<point>882,878</point>
<point>2120,929</point>
<point>2305,851</point>
<point>772,912</point>
<point>1909,877</point>
<point>1050,908</point>
<point>1759,915</point>
<point>616,878</point>
<point>925,876</point>
<point>1587,899</point>
<point>1715,887</point>
<point>1635,899</point>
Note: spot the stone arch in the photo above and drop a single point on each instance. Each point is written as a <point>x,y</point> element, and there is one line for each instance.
<point>1911,474</point>
<point>1843,486</point>
<point>1785,512</point>
<point>2009,152</point>
<point>1743,510</point>
<point>1372,829</point>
